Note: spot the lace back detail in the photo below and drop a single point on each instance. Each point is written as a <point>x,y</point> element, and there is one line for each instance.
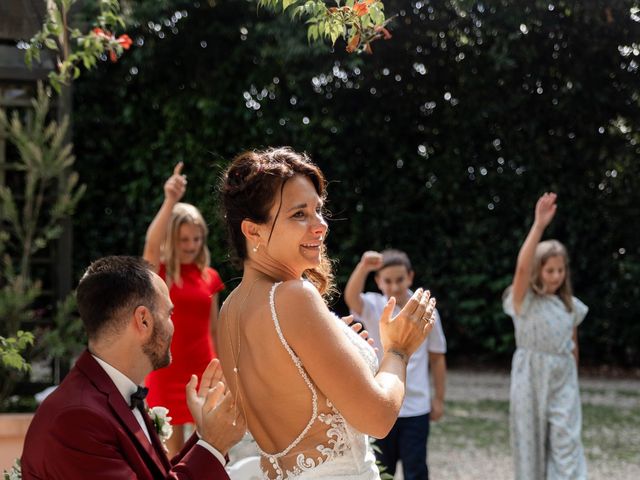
<point>273,457</point>
<point>328,457</point>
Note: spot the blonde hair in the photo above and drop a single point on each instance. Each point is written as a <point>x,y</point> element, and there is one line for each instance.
<point>183,213</point>
<point>544,251</point>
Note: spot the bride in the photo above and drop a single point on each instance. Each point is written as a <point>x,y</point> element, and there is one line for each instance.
<point>310,388</point>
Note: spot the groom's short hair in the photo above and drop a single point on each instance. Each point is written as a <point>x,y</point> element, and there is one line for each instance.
<point>109,288</point>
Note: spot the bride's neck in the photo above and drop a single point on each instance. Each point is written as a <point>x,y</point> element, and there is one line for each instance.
<point>269,268</point>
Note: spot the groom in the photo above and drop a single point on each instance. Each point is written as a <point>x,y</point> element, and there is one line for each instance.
<point>95,426</point>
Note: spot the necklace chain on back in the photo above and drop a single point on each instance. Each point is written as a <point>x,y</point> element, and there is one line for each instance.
<point>235,355</point>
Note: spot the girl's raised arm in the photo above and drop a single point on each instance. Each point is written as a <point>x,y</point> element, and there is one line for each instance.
<point>174,189</point>
<point>544,213</point>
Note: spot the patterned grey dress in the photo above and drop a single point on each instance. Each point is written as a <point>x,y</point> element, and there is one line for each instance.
<point>545,413</point>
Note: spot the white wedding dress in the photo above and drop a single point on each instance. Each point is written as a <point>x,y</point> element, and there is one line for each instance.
<point>328,447</point>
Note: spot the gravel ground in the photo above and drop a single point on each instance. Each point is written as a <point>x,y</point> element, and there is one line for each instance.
<point>472,442</point>
<point>450,461</point>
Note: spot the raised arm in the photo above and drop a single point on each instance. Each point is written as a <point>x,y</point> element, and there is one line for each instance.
<point>544,213</point>
<point>174,189</point>
<point>369,402</point>
<point>370,262</point>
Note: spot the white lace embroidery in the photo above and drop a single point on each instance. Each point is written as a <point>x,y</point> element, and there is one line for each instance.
<point>337,436</point>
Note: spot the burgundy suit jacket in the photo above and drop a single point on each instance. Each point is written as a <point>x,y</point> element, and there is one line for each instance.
<point>85,430</point>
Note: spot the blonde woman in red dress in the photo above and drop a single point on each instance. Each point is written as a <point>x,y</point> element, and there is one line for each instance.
<point>176,246</point>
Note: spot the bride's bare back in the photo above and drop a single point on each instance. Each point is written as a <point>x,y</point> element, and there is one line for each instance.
<point>290,418</point>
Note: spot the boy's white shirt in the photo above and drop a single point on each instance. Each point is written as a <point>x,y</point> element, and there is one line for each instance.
<point>417,399</point>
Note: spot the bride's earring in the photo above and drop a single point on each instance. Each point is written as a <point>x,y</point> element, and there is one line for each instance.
<point>255,249</point>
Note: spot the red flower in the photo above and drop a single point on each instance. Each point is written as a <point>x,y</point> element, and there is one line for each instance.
<point>385,33</point>
<point>101,33</point>
<point>125,41</point>
<point>353,43</point>
<point>108,38</point>
<point>361,8</point>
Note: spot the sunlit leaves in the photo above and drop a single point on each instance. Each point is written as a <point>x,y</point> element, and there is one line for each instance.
<point>73,48</point>
<point>357,22</point>
<point>11,349</point>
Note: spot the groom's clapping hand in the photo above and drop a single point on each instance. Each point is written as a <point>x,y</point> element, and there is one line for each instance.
<point>211,376</point>
<point>219,420</point>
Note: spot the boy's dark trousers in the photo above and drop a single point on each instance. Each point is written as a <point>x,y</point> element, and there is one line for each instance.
<point>407,442</point>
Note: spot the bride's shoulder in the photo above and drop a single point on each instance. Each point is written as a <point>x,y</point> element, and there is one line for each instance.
<point>298,302</point>
<point>297,291</point>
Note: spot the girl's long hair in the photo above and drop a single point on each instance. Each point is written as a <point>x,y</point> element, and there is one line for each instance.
<point>544,251</point>
<point>183,213</point>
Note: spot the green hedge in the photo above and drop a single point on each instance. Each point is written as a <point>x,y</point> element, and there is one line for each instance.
<point>438,144</point>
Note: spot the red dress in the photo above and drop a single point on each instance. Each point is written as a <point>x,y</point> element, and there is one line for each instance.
<point>191,347</point>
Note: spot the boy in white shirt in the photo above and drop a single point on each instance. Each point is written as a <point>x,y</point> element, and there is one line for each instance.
<point>407,440</point>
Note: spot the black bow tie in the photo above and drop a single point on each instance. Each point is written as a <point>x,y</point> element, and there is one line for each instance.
<point>137,398</point>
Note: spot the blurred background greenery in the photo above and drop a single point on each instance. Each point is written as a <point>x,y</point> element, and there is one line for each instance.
<point>439,144</point>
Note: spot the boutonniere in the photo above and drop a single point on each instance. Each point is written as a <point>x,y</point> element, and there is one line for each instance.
<point>161,422</point>
<point>15,473</point>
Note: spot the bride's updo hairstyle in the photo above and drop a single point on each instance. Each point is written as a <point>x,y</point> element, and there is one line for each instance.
<point>249,189</point>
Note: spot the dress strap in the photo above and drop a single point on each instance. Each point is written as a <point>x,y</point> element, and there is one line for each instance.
<point>298,363</point>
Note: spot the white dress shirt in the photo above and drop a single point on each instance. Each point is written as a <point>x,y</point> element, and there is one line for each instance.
<point>126,387</point>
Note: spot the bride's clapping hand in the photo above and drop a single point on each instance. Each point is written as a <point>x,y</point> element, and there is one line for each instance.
<point>358,327</point>
<point>406,331</point>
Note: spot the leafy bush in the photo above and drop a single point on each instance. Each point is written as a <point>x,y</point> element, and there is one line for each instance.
<point>31,213</point>
<point>438,144</point>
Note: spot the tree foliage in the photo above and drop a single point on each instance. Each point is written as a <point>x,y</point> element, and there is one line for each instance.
<point>31,213</point>
<point>359,21</point>
<point>438,144</point>
<point>74,48</point>
<point>11,350</point>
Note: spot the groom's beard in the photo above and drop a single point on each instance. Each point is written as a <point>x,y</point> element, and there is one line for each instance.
<point>158,348</point>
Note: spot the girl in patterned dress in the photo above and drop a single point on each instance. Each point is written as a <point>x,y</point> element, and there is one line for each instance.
<point>545,412</point>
